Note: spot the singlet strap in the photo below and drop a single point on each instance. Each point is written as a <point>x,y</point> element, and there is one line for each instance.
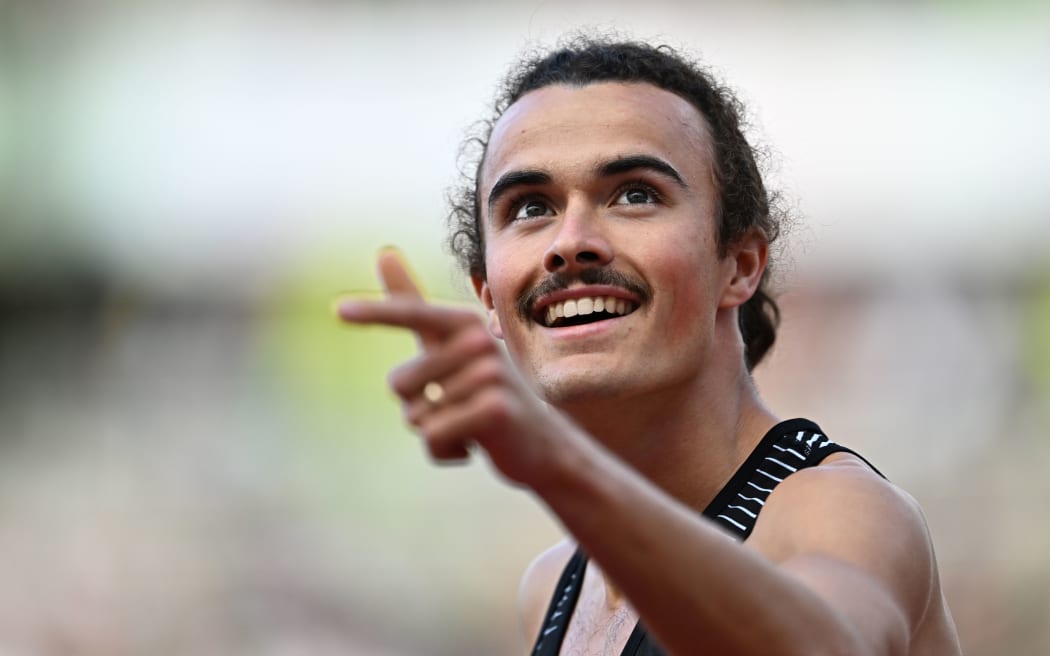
<point>562,605</point>
<point>788,447</point>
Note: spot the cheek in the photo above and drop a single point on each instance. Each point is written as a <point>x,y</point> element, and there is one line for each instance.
<point>511,266</point>
<point>692,278</point>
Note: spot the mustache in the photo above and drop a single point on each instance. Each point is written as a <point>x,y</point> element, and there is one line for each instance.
<point>591,276</point>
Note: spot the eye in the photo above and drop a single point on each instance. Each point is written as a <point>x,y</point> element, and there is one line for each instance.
<point>637,195</point>
<point>530,209</point>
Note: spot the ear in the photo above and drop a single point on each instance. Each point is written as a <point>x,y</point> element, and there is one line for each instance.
<point>746,261</point>
<point>481,288</point>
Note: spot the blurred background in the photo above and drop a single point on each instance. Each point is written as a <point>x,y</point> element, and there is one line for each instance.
<point>195,459</point>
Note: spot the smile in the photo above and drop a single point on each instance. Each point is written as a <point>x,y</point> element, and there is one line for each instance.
<point>578,311</point>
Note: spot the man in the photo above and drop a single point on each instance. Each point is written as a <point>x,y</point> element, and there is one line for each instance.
<point>617,233</point>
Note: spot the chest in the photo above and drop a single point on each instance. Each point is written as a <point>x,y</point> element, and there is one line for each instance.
<point>598,628</point>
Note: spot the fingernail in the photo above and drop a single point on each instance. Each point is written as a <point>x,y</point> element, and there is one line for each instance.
<point>342,307</point>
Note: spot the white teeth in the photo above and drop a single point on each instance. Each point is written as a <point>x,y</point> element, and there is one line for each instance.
<point>585,306</point>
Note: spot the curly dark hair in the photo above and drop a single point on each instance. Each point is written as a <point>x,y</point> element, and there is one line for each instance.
<point>744,202</point>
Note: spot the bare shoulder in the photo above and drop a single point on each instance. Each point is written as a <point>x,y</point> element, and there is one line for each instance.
<point>842,508</point>
<point>537,586</point>
<point>830,502</point>
<point>856,537</point>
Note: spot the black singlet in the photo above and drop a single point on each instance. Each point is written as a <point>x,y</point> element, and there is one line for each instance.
<point>787,447</point>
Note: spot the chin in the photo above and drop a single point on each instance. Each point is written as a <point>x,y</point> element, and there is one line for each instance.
<point>574,389</point>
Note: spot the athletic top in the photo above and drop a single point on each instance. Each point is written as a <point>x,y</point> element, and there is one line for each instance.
<point>788,447</point>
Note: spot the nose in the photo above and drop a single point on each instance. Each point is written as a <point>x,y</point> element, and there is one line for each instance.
<point>578,243</point>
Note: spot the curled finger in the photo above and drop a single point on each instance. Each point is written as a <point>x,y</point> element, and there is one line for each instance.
<point>440,393</point>
<point>409,379</point>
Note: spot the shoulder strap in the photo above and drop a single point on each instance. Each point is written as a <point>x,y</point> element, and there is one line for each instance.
<point>787,447</point>
<point>781,452</point>
<point>563,603</point>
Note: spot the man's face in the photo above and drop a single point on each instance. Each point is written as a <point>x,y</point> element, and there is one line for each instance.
<point>598,212</point>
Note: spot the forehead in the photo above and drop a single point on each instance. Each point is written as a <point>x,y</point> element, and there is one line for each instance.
<point>563,127</point>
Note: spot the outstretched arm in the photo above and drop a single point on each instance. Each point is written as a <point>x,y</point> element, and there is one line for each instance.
<point>840,562</point>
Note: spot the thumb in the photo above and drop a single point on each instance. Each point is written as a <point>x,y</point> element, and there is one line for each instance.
<point>397,280</point>
<point>395,276</point>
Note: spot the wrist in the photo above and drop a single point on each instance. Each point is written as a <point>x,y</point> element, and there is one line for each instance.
<point>578,481</point>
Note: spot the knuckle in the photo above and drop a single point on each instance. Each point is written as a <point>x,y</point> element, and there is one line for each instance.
<point>429,433</point>
<point>495,406</point>
<point>450,450</point>
<point>397,380</point>
<point>490,371</point>
<point>443,443</point>
<point>413,413</point>
<point>478,340</point>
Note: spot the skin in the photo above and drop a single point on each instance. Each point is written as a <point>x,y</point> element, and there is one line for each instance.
<point>625,428</point>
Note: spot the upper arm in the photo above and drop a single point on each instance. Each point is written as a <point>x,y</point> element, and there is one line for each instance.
<point>537,587</point>
<point>857,541</point>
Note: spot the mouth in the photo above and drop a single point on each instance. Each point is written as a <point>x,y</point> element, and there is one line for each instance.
<point>584,310</point>
<point>593,295</point>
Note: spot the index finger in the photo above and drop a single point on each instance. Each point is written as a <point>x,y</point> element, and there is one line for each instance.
<point>437,321</point>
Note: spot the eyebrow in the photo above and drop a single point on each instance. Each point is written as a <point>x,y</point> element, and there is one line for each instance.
<point>634,162</point>
<point>618,166</point>
<point>512,179</point>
